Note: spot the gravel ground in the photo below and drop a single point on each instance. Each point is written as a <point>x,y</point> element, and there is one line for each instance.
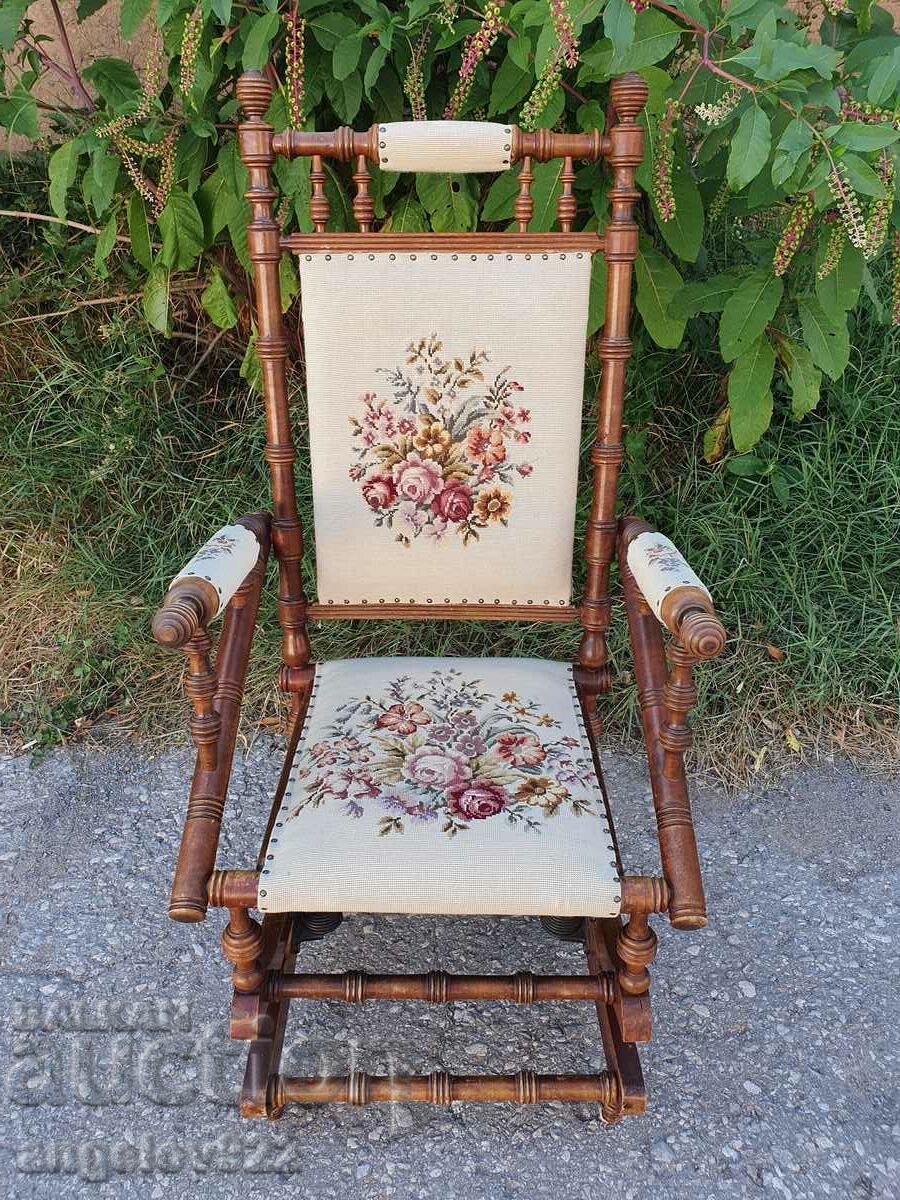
<point>774,1070</point>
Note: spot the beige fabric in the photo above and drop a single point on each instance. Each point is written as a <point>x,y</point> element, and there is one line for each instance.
<point>445,396</point>
<point>452,785</point>
<point>659,567</point>
<point>455,146</point>
<point>225,561</point>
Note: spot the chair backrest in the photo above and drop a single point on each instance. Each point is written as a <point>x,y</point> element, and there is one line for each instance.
<point>444,380</point>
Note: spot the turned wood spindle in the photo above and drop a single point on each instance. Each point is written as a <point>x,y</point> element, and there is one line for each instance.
<point>363,204</point>
<point>566,205</point>
<point>200,688</point>
<point>636,949</point>
<point>242,944</point>
<point>524,206</point>
<point>679,697</point>
<point>318,201</point>
<point>626,147</point>
<point>254,92</point>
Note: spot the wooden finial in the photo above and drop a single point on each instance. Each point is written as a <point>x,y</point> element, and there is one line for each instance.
<point>629,95</point>
<point>254,92</point>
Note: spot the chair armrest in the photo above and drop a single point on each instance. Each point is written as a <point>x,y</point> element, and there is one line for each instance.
<point>673,592</point>
<point>200,592</point>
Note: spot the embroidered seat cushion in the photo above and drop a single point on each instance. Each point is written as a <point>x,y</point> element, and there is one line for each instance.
<point>442,785</point>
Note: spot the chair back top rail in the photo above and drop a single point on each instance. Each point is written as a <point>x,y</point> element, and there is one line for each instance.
<point>346,144</point>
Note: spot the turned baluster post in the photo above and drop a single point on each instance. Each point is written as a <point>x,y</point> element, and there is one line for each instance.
<point>626,144</point>
<point>524,206</point>
<point>363,204</point>
<point>242,943</point>
<point>254,92</point>
<point>566,205</point>
<point>318,201</point>
<point>200,688</point>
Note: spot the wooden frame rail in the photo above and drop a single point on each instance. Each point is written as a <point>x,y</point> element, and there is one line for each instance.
<point>440,987</point>
<point>440,1087</point>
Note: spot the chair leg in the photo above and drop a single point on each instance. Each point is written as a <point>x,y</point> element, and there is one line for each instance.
<point>263,1020</point>
<point>621,1055</point>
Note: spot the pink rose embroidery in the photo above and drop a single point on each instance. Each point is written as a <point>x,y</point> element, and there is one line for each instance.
<point>418,479</point>
<point>435,767</point>
<point>379,490</point>
<point>454,503</point>
<point>476,800</point>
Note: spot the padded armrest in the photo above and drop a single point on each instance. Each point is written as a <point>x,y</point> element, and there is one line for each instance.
<point>675,593</point>
<point>439,146</point>
<point>199,592</point>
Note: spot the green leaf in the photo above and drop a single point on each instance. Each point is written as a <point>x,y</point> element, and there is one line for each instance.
<point>131,16</point>
<point>449,200</point>
<point>155,299</point>
<point>251,369</point>
<point>87,8</point>
<point>750,394</point>
<point>106,239</point>
<point>657,282</point>
<point>683,232</point>
<point>407,216</point>
<point>706,296</point>
<point>655,37</point>
<point>499,201</point>
<point>377,59</point>
<point>749,148</point>
<point>862,177</point>
<point>259,39</point>
<point>511,85</point>
<point>139,231</point>
<point>329,28</point>
<point>545,193</point>
<point>804,378</point>
<point>345,57</point>
<point>12,14</point>
<point>857,136</point>
<point>217,302</point>
<point>829,341</point>
<point>18,113</point>
<point>346,95</point>
<point>748,311</point>
<point>597,295</point>
<point>104,173</point>
<point>61,170</point>
<point>839,290</point>
<point>181,227</point>
<point>115,80</point>
<point>288,281</point>
<point>618,25</point>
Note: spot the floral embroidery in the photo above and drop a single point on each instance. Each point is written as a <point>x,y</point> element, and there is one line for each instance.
<point>664,557</point>
<point>222,543</point>
<point>445,750</point>
<point>440,453</point>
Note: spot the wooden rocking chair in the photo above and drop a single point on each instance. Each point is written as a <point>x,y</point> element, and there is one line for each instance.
<point>445,381</point>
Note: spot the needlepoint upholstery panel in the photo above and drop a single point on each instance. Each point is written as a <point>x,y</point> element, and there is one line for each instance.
<point>454,786</point>
<point>444,395</point>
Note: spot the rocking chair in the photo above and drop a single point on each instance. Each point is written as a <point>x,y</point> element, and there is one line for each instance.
<point>444,387</point>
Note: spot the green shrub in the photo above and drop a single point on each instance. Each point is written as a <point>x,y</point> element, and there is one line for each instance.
<point>782,136</point>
